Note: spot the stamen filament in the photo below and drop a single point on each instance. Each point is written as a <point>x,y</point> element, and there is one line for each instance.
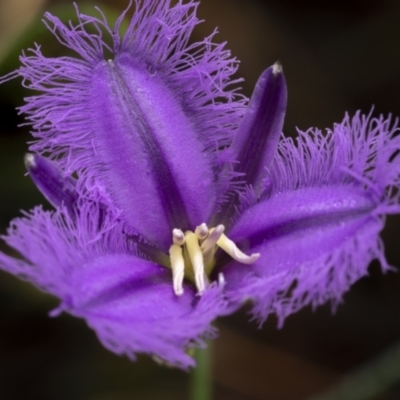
<point>178,268</point>
<point>196,258</point>
<point>230,247</point>
<point>208,247</point>
<point>192,255</point>
<point>209,244</point>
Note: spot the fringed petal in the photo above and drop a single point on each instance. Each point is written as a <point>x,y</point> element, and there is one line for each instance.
<point>145,129</point>
<point>93,268</point>
<point>52,244</point>
<point>171,337</point>
<point>318,230</point>
<point>131,305</point>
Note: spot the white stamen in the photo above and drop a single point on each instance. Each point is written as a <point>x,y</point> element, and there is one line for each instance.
<point>178,237</point>
<point>209,244</point>
<point>196,257</point>
<point>187,245</point>
<point>201,231</point>
<point>178,268</point>
<point>230,247</point>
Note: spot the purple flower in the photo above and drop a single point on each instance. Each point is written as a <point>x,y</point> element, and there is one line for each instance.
<point>174,202</point>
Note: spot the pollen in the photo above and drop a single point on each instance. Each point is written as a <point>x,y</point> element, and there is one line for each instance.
<point>192,255</point>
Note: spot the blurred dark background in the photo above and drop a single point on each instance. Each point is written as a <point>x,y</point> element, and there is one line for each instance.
<point>337,56</point>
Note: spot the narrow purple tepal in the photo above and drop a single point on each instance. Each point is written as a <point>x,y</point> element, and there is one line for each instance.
<point>175,199</point>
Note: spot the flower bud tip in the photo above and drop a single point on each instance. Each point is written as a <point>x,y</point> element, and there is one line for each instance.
<point>277,68</point>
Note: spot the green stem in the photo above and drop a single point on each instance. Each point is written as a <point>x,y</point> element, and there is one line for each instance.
<point>200,379</point>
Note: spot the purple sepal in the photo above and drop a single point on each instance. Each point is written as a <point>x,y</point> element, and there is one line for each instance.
<point>58,189</point>
<point>319,228</point>
<point>255,144</point>
<point>257,137</point>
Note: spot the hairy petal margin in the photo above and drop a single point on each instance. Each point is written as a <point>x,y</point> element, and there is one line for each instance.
<point>99,275</point>
<point>318,230</point>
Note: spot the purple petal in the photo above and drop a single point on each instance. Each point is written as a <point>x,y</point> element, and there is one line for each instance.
<point>319,229</point>
<point>144,129</point>
<point>151,161</point>
<point>131,305</point>
<point>129,301</point>
<point>58,189</point>
<point>52,244</point>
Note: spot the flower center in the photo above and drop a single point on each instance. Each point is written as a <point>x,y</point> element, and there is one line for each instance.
<point>192,255</point>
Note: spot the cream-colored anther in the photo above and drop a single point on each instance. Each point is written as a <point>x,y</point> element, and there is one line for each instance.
<point>229,247</point>
<point>201,231</point>
<point>178,237</point>
<point>178,268</point>
<point>196,257</point>
<point>215,234</point>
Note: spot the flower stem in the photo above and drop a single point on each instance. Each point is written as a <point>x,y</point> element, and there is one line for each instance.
<point>200,380</point>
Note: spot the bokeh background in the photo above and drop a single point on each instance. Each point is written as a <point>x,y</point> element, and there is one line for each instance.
<point>338,56</point>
